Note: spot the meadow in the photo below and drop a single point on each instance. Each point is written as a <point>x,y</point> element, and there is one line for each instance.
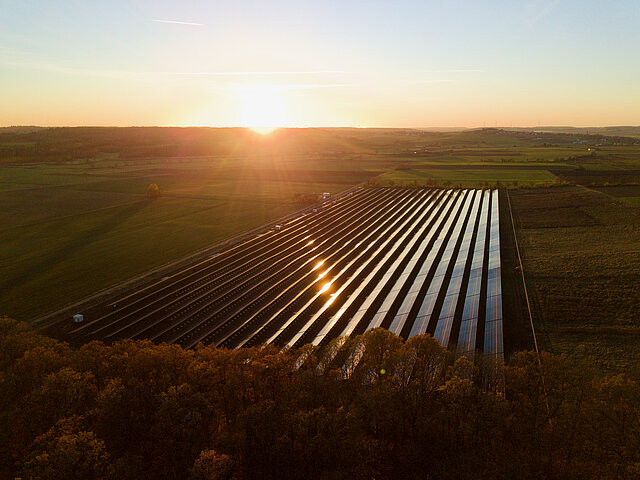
<point>65,233</point>
<point>468,177</point>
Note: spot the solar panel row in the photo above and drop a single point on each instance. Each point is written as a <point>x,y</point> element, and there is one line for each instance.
<point>411,260</point>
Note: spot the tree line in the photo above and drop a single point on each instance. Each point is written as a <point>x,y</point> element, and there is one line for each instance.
<point>372,406</point>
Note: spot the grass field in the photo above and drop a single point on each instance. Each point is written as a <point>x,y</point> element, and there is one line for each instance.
<point>467,177</point>
<point>62,241</point>
<point>582,256</point>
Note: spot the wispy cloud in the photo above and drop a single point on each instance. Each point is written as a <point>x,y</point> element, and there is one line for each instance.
<point>176,22</point>
<point>224,78</point>
<point>442,70</point>
<point>238,74</point>
<point>301,86</point>
<point>10,58</point>
<point>460,70</point>
<point>51,67</point>
<point>444,80</point>
<point>536,10</point>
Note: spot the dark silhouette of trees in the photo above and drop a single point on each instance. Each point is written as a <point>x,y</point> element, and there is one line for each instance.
<point>67,452</point>
<point>211,465</point>
<point>372,406</point>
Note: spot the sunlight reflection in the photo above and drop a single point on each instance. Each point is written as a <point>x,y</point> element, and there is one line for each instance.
<point>330,301</point>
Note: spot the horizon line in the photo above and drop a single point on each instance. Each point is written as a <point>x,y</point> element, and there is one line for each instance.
<point>501,127</point>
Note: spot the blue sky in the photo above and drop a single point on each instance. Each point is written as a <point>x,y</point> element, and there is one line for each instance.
<point>375,63</point>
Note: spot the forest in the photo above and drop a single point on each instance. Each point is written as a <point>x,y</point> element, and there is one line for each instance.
<point>406,409</point>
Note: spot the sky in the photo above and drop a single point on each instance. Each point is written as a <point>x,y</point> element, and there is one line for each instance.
<point>372,63</point>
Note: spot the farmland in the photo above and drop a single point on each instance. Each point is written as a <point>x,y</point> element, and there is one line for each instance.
<point>470,177</point>
<point>582,257</point>
<point>627,193</point>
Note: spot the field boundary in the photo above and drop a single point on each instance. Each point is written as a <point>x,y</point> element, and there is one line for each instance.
<point>52,318</point>
<point>524,283</point>
<point>526,294</point>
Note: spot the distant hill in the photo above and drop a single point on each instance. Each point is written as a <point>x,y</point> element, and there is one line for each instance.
<point>66,143</point>
<point>621,131</point>
<point>21,129</point>
<point>34,144</point>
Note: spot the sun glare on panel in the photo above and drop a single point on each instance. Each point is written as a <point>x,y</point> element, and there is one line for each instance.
<point>264,110</point>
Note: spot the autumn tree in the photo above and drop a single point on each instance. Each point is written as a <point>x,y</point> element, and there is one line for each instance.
<point>370,406</point>
<point>211,465</point>
<point>65,452</point>
<point>153,191</point>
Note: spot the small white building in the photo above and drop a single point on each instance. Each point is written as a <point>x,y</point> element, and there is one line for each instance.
<point>78,318</point>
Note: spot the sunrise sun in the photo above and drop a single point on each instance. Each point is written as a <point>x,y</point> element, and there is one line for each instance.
<point>264,110</point>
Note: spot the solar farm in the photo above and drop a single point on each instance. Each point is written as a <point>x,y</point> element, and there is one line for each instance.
<point>413,261</point>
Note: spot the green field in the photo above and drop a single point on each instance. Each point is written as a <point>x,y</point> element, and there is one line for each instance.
<point>465,177</point>
<point>63,241</point>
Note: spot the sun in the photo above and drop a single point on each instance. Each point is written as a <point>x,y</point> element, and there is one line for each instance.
<point>263,130</point>
<point>263,110</point>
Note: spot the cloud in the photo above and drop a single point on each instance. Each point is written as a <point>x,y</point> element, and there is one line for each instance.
<point>176,22</point>
<point>461,70</point>
<point>238,74</point>
<point>11,58</point>
<point>51,67</point>
<point>302,86</point>
<point>444,80</point>
<point>538,9</point>
<point>443,70</point>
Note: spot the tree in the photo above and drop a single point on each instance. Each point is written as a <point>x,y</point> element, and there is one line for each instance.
<point>153,191</point>
<point>61,394</point>
<point>65,453</point>
<point>381,353</point>
<point>211,465</point>
<point>407,409</point>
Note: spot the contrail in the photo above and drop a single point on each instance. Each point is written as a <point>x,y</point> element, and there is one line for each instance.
<point>179,23</point>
